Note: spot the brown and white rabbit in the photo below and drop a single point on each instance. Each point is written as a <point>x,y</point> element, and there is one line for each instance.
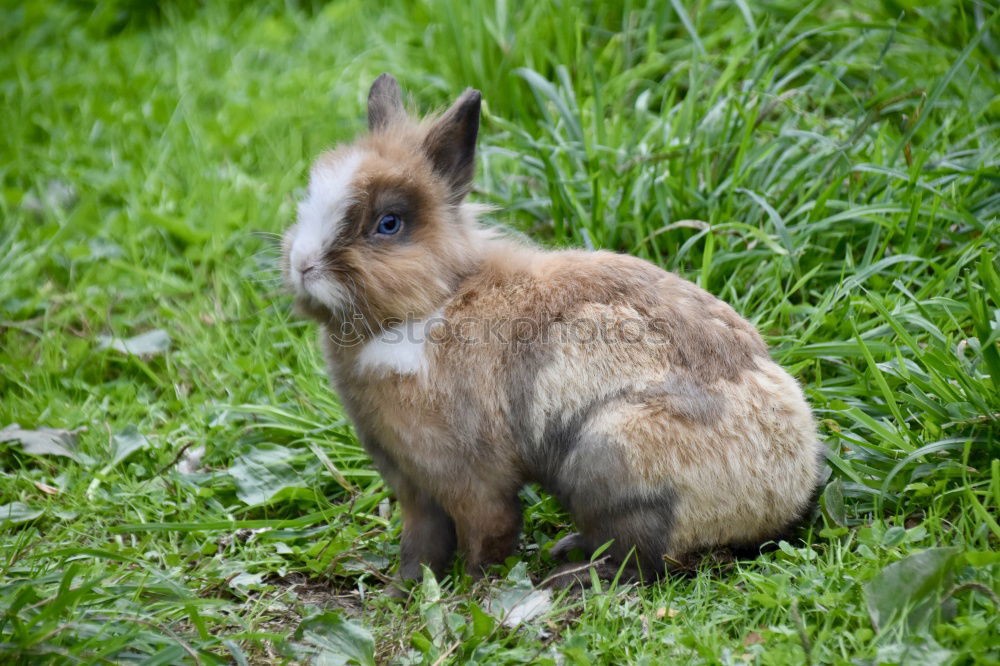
<point>471,364</point>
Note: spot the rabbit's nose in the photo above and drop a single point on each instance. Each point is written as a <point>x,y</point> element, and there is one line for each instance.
<point>303,263</point>
<point>308,272</point>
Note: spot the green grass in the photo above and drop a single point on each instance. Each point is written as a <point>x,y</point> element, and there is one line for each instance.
<point>831,169</point>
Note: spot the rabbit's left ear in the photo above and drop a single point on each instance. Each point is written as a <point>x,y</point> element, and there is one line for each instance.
<point>385,103</point>
<point>451,144</point>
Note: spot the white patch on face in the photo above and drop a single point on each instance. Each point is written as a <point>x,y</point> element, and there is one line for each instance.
<point>320,222</point>
<point>400,349</point>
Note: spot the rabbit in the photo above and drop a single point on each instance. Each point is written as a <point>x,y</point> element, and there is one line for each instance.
<point>472,362</point>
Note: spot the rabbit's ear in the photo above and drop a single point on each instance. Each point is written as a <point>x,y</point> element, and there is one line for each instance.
<point>451,144</point>
<point>385,103</point>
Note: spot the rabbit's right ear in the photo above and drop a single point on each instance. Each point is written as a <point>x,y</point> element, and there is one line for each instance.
<point>385,103</point>
<point>451,144</point>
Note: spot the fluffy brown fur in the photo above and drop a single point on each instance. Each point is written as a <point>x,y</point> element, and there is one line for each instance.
<point>471,364</point>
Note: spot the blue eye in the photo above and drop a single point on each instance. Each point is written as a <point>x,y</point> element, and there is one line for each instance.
<point>389,225</point>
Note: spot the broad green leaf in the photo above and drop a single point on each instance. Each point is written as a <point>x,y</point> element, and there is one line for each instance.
<point>431,609</point>
<point>42,441</point>
<point>909,587</point>
<point>918,651</point>
<point>833,502</point>
<point>516,601</point>
<point>335,640</point>
<point>514,606</point>
<point>125,443</point>
<point>18,512</point>
<point>482,623</point>
<point>893,536</point>
<point>260,474</point>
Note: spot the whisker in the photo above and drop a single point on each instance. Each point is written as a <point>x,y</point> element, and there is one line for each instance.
<point>274,279</point>
<point>270,235</point>
<point>267,255</point>
<point>269,269</point>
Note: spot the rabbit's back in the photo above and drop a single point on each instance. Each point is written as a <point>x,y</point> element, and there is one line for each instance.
<point>632,393</point>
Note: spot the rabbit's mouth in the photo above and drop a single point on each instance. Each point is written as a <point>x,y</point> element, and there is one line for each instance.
<point>317,290</point>
<point>308,305</point>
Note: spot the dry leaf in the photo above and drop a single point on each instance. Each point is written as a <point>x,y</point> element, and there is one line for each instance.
<point>688,224</point>
<point>753,638</point>
<point>46,488</point>
<point>191,462</point>
<point>664,611</point>
<point>149,343</point>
